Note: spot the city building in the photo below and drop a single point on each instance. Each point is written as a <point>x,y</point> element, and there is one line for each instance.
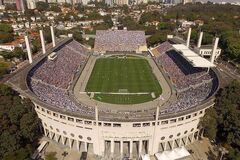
<point>20,5</point>
<point>31,4</point>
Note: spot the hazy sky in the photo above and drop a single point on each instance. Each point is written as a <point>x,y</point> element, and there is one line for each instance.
<point>220,0</point>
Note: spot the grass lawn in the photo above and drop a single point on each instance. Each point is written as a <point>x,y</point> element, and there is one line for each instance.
<point>123,75</point>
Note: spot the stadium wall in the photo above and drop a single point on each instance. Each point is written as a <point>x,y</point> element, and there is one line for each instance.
<point>84,135</point>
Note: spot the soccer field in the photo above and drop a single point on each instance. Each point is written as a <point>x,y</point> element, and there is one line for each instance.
<point>123,80</point>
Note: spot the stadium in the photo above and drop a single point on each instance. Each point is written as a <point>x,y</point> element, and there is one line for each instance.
<point>120,99</point>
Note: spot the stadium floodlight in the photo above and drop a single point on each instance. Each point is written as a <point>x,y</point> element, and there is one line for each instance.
<point>200,40</point>
<point>214,50</point>
<point>29,52</point>
<point>42,42</point>
<point>189,37</point>
<point>53,36</point>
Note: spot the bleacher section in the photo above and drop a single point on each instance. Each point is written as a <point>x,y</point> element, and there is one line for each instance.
<point>120,40</point>
<point>193,85</point>
<point>49,80</point>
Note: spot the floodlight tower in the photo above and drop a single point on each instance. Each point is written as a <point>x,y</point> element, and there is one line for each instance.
<point>29,52</point>
<point>53,36</point>
<point>189,37</point>
<point>200,40</point>
<point>214,50</point>
<point>42,42</point>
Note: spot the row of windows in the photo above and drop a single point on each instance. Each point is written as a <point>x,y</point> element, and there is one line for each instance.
<point>86,122</point>
<point>167,121</point>
<point>65,133</point>
<point>171,136</point>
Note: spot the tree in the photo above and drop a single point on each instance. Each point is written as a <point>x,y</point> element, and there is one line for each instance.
<point>21,154</point>
<point>130,23</point>
<point>36,45</point>
<point>47,34</point>
<point>78,36</point>
<point>230,41</point>
<point>3,71</point>
<point>80,8</point>
<point>19,129</point>
<point>6,37</point>
<point>209,122</point>
<point>55,8</point>
<point>6,28</point>
<point>223,120</point>
<point>94,15</point>
<point>150,30</point>
<point>42,6</point>
<point>6,33</point>
<point>108,21</point>
<point>150,17</point>
<point>18,53</point>
<point>156,38</point>
<point>29,126</point>
<point>5,90</point>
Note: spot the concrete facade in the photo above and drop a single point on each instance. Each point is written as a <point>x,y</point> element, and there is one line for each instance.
<point>120,138</point>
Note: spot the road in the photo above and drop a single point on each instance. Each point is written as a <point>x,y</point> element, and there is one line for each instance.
<point>227,74</point>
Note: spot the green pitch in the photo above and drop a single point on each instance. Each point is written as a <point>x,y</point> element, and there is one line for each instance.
<point>119,79</point>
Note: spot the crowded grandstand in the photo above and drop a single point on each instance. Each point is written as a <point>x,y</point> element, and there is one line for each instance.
<point>120,41</point>
<point>50,80</point>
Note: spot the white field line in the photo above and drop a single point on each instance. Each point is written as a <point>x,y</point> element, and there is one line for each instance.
<point>117,93</point>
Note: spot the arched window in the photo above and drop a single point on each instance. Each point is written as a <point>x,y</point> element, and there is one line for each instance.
<point>88,138</point>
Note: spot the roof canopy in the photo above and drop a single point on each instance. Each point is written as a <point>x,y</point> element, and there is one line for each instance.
<point>192,57</point>
<point>177,153</point>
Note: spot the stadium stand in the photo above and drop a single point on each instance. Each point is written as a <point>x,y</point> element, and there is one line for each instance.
<point>119,40</point>
<point>49,80</point>
<point>162,48</point>
<point>64,66</point>
<point>193,85</point>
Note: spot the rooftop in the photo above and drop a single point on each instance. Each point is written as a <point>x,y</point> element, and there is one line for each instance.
<point>192,57</point>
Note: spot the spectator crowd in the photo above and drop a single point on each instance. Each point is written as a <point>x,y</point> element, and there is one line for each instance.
<point>50,79</point>
<point>193,85</point>
<point>119,40</point>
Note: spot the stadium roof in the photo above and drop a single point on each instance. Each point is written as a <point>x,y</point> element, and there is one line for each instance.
<point>192,57</point>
